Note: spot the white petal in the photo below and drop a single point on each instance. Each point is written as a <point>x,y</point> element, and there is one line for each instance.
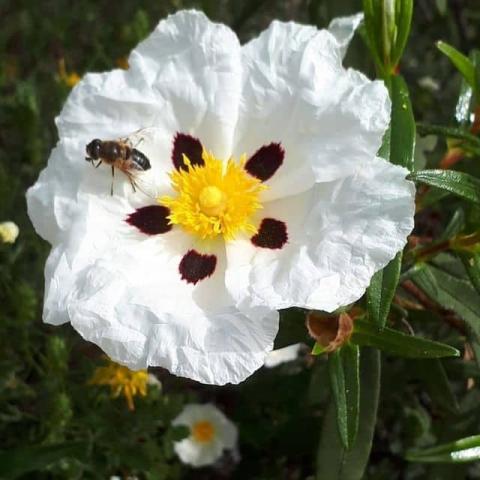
<point>343,29</point>
<point>122,290</point>
<point>283,355</point>
<point>184,77</point>
<point>198,454</point>
<point>193,67</point>
<point>295,91</point>
<point>340,234</point>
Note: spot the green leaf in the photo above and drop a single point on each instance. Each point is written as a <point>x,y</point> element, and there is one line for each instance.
<point>454,226</point>
<point>399,343</point>
<point>433,376</point>
<point>381,291</point>
<point>452,293</point>
<point>461,62</point>
<point>343,367</point>
<point>403,130</point>
<point>14,463</point>
<point>461,451</point>
<point>458,183</point>
<point>334,461</point>
<point>471,262</point>
<point>403,21</point>
<point>374,33</point>
<point>462,108</point>
<point>448,132</point>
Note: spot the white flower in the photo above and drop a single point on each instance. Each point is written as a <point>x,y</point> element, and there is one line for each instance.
<point>211,432</point>
<point>304,214</point>
<point>283,355</point>
<point>8,232</point>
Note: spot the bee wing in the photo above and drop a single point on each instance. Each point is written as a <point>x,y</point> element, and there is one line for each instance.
<point>144,182</point>
<point>135,138</point>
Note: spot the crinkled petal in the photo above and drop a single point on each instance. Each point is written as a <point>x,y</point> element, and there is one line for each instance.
<point>339,234</point>
<point>184,77</point>
<point>296,92</point>
<point>122,290</point>
<point>343,29</point>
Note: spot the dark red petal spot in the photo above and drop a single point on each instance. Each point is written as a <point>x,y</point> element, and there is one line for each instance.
<point>151,220</point>
<point>184,144</point>
<point>265,161</point>
<point>271,234</point>
<point>196,266</point>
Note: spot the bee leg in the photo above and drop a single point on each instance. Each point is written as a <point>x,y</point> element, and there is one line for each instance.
<point>113,176</point>
<point>98,164</point>
<point>132,183</point>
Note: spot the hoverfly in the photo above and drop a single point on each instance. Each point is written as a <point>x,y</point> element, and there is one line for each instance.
<point>119,154</point>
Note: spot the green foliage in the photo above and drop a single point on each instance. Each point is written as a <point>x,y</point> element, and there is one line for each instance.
<point>54,425</point>
<point>460,451</point>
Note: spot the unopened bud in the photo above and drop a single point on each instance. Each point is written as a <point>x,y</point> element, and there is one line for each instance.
<point>8,232</point>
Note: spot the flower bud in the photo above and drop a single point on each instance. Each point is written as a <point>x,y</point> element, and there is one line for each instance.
<point>329,331</point>
<point>8,232</point>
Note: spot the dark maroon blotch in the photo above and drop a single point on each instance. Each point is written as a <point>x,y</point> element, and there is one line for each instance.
<point>196,266</point>
<point>151,220</point>
<point>271,234</point>
<point>265,161</point>
<point>184,144</point>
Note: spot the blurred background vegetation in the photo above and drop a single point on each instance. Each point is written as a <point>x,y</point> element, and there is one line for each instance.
<point>83,432</point>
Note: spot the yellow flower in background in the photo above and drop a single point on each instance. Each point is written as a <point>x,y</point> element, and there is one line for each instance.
<point>69,79</point>
<point>8,232</point>
<point>122,381</point>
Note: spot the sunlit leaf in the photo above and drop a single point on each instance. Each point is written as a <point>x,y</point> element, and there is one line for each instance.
<point>463,64</point>
<point>458,183</point>
<point>334,461</point>
<point>403,130</point>
<point>345,385</point>
<point>461,451</point>
<point>399,343</point>
<point>381,291</point>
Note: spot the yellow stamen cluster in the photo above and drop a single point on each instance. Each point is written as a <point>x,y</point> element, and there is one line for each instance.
<point>203,431</point>
<point>215,198</point>
<point>121,380</point>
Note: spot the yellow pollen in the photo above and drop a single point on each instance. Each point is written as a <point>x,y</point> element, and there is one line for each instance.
<point>203,431</point>
<point>215,198</point>
<point>212,201</point>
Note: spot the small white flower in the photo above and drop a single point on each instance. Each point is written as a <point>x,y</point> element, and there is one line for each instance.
<point>283,355</point>
<point>8,232</point>
<point>270,195</point>
<point>211,433</point>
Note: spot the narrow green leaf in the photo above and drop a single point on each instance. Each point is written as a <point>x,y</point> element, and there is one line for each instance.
<point>462,108</point>
<point>471,262</point>
<point>433,376</point>
<point>458,183</point>
<point>461,451</point>
<point>334,462</point>
<point>403,130</point>
<point>373,29</point>
<point>14,463</point>
<point>461,62</point>
<point>448,132</point>
<point>403,22</point>
<point>454,226</point>
<point>343,366</point>
<point>452,293</point>
<point>399,343</point>
<point>381,291</point>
